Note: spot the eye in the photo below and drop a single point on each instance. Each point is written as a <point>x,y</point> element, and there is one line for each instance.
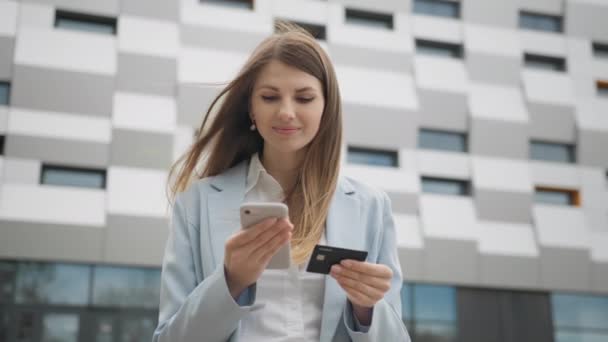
<point>269,98</point>
<point>305,99</point>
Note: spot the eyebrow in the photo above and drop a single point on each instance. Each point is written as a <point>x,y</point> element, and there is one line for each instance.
<point>299,90</point>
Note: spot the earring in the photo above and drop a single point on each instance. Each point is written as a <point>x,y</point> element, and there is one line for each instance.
<point>252,127</point>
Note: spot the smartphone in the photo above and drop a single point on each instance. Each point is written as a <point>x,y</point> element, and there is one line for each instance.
<point>252,213</point>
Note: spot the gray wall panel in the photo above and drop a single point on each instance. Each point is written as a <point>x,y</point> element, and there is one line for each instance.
<point>7,52</point>
<point>135,240</point>
<point>146,74</point>
<point>141,149</point>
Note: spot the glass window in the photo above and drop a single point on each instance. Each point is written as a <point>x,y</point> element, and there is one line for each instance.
<point>434,313</point>
<point>39,283</point>
<point>600,50</point>
<point>579,317</point>
<point>445,186</point>
<point>137,329</point>
<point>371,19</point>
<point>85,22</point>
<point>8,270</point>
<point>542,22</point>
<point>4,324</point>
<point>231,3</point>
<point>449,9</point>
<point>555,152</point>
<point>558,197</point>
<point>439,49</point>
<point>442,140</point>
<point>2,144</point>
<point>5,93</point>
<point>356,155</point>
<point>60,328</point>
<point>406,302</point>
<point>544,62</point>
<point>317,31</point>
<point>126,287</point>
<point>69,176</point>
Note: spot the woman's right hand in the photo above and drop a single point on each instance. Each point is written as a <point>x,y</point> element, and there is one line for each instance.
<point>249,251</point>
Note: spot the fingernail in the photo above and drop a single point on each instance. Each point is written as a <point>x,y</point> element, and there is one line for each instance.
<point>336,268</point>
<point>347,263</point>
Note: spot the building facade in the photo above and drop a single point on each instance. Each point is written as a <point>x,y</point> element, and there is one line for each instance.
<point>486,122</point>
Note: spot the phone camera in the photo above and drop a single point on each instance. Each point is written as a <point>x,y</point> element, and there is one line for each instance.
<point>247,211</point>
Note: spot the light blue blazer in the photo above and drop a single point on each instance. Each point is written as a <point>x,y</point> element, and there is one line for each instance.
<point>195,304</point>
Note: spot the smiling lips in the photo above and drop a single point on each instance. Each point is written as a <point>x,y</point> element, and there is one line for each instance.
<point>285,130</point>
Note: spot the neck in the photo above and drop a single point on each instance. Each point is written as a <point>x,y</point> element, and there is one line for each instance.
<point>283,167</point>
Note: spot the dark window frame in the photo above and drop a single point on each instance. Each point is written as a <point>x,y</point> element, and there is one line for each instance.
<point>570,149</point>
<point>541,17</point>
<point>85,18</point>
<point>8,93</point>
<point>377,18</point>
<point>453,4</point>
<point>462,135</point>
<point>600,49</point>
<point>2,144</point>
<point>601,87</point>
<point>248,4</point>
<point>465,185</point>
<point>49,166</point>
<point>318,31</point>
<point>456,50</point>
<point>393,154</point>
<point>558,63</point>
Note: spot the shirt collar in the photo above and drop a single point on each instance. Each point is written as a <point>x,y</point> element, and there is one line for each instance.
<point>256,170</point>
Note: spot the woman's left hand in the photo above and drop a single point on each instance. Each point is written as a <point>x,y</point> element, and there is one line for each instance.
<point>365,283</point>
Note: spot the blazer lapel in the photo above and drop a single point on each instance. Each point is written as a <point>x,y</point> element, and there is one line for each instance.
<point>223,208</point>
<point>342,230</point>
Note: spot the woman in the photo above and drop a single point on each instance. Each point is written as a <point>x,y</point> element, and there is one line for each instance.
<point>276,136</point>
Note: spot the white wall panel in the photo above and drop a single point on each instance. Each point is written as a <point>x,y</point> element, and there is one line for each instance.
<point>136,192</point>
<point>148,37</point>
<point>144,112</point>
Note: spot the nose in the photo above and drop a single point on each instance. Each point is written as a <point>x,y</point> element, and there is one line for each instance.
<point>286,111</point>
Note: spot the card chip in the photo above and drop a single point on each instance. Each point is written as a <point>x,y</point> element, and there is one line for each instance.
<point>320,257</point>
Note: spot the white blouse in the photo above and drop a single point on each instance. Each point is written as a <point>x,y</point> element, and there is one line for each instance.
<point>292,299</point>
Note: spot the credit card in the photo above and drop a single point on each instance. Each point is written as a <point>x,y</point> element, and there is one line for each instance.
<point>324,257</point>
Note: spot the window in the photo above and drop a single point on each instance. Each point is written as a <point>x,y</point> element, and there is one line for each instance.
<point>600,50</point>
<point>8,270</point>
<point>555,152</point>
<point>41,283</point>
<point>440,8</point>
<point>60,327</point>
<point>544,62</point>
<point>442,49</point>
<point>357,155</point>
<point>602,87</point>
<point>132,287</point>
<point>70,176</point>
<point>85,22</point>
<point>429,312</point>
<point>317,31</point>
<point>557,196</point>
<point>5,93</point>
<point>231,3</point>
<point>2,137</point>
<point>445,186</point>
<point>371,19</point>
<point>442,140</point>
<point>542,22</point>
<point>578,317</point>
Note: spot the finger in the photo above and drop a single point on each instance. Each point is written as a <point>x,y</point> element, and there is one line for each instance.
<point>358,297</point>
<point>266,237</point>
<point>250,233</point>
<point>365,289</point>
<point>267,251</point>
<point>375,270</point>
<point>381,284</point>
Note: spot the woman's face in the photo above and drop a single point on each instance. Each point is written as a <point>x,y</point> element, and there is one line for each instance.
<point>286,105</point>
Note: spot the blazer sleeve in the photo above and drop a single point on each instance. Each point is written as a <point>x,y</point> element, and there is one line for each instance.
<point>189,310</point>
<point>387,323</point>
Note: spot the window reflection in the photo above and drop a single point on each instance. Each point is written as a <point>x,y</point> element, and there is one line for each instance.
<point>580,317</point>
<point>60,328</point>
<point>429,312</point>
<point>39,283</point>
<point>122,287</point>
<point>7,281</point>
<point>137,329</point>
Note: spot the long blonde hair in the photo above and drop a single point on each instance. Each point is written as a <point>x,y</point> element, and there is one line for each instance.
<point>228,141</point>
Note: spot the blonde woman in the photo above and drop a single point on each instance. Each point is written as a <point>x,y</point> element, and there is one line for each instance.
<point>276,137</point>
